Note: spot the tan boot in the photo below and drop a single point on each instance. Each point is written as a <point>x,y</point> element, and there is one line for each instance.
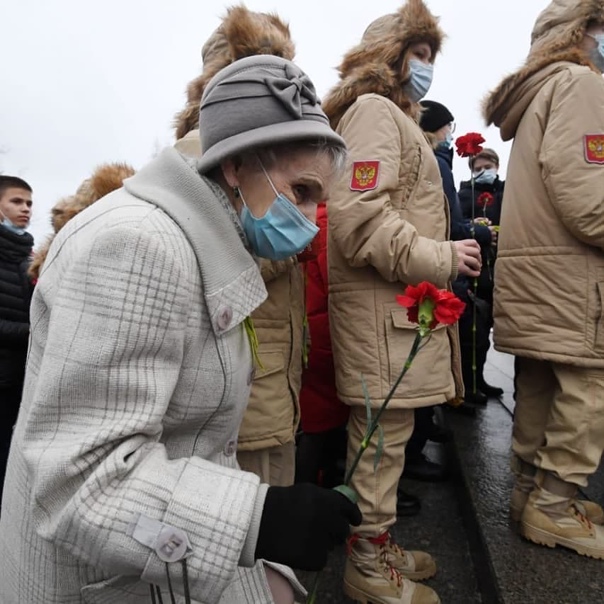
<point>413,565</point>
<point>370,579</point>
<point>554,518</point>
<point>525,483</point>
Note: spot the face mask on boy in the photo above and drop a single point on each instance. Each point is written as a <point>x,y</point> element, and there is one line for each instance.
<point>485,176</point>
<point>11,226</point>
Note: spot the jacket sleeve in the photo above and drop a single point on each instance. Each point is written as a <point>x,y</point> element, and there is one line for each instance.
<point>573,183</point>
<point>459,228</point>
<point>14,332</point>
<point>104,487</point>
<point>465,201</point>
<point>366,227</point>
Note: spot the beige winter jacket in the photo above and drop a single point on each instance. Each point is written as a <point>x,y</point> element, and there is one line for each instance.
<point>388,221</point>
<point>381,239</point>
<point>273,412</point>
<point>279,327</point>
<point>549,285</point>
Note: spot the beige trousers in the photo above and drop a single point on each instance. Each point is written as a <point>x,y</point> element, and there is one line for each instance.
<point>376,488</point>
<point>275,465</point>
<point>559,418</point>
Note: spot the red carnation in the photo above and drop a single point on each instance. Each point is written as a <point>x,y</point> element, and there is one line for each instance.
<point>448,307</point>
<point>469,144</point>
<point>485,200</point>
<point>428,306</point>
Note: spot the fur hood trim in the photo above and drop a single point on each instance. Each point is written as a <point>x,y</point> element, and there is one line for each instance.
<point>556,35</point>
<point>104,180</point>
<point>377,63</point>
<point>241,34</point>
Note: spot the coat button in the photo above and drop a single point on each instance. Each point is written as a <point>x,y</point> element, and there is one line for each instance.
<point>230,448</point>
<point>225,316</point>
<point>171,544</point>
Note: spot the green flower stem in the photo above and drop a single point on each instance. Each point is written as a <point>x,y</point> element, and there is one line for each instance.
<point>312,596</point>
<point>473,233</point>
<point>373,426</point>
<point>474,367</point>
<point>376,420</point>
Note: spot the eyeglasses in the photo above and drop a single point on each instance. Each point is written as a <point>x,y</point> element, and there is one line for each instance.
<point>452,127</point>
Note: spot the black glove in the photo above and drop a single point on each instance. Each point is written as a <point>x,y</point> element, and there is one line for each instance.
<point>302,523</point>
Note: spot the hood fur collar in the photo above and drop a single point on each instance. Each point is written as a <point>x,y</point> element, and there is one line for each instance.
<point>379,64</point>
<point>241,34</point>
<point>104,180</point>
<point>556,35</point>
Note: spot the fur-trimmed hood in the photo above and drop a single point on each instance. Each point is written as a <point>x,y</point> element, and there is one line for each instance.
<point>376,64</point>
<point>241,34</point>
<point>104,180</point>
<point>555,39</point>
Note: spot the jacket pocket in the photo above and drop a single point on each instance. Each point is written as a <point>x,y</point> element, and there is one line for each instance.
<point>430,374</point>
<point>269,398</point>
<point>121,588</point>
<point>272,362</point>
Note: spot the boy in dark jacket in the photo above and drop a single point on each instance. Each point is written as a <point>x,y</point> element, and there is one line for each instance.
<point>484,205</point>
<point>15,293</point>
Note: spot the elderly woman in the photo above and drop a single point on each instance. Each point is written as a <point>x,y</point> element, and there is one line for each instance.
<point>122,482</point>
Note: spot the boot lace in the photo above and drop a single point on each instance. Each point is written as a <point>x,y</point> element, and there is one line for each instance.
<point>384,541</point>
<point>583,519</point>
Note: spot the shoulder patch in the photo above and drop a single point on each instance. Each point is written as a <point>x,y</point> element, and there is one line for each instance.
<point>365,175</point>
<point>594,148</point>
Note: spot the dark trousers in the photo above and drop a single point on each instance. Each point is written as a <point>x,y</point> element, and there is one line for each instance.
<point>10,399</point>
<point>424,420</point>
<point>321,457</point>
<point>484,322</point>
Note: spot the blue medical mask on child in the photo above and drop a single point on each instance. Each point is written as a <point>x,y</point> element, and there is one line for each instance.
<point>420,80</point>
<point>282,232</point>
<point>448,142</point>
<point>597,54</point>
<point>12,227</point>
<point>486,176</point>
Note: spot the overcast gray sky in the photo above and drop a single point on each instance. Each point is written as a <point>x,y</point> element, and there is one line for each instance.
<point>88,82</point>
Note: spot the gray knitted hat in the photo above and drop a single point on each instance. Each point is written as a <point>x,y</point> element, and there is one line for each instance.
<point>256,102</point>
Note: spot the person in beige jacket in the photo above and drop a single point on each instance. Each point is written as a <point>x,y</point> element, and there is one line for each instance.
<point>388,227</point>
<point>266,448</point>
<point>549,285</point>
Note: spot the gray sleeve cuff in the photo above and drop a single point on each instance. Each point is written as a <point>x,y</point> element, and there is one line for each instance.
<point>249,547</point>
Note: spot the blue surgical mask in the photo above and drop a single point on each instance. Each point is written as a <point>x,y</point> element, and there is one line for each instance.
<point>448,142</point>
<point>486,176</point>
<point>282,232</point>
<point>12,227</point>
<point>597,54</point>
<point>420,80</point>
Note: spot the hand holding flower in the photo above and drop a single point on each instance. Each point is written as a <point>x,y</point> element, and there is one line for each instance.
<point>469,259</point>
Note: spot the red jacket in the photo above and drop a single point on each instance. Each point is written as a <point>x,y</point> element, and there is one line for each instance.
<point>320,408</point>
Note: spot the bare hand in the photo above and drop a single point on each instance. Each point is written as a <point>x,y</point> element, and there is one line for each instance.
<point>469,260</point>
<point>494,234</point>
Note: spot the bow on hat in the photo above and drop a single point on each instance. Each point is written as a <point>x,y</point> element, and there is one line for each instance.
<point>291,89</point>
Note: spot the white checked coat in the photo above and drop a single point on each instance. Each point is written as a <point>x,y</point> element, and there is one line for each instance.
<point>138,375</point>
